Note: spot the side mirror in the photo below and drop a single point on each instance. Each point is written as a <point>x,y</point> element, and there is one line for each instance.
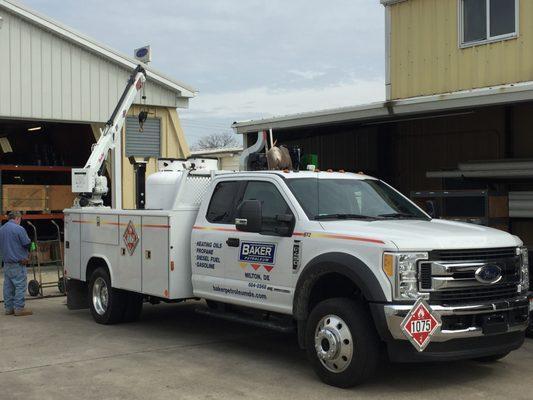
<point>432,209</point>
<point>249,216</point>
<point>285,226</point>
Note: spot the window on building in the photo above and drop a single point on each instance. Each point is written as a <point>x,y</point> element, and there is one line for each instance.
<point>485,21</point>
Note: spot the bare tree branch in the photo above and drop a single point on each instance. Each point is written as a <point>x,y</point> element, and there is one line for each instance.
<point>216,141</point>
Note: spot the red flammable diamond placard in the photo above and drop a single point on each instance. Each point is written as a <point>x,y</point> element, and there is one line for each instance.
<point>130,238</point>
<point>420,324</point>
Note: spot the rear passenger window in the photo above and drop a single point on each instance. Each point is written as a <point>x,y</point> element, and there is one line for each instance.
<point>222,203</point>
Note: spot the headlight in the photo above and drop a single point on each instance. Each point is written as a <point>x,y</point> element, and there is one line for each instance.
<point>524,273</point>
<point>402,271</point>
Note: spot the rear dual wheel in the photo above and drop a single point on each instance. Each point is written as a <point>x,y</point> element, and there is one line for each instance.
<point>109,305</point>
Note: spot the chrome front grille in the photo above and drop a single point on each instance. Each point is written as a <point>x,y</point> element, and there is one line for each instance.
<point>450,275</point>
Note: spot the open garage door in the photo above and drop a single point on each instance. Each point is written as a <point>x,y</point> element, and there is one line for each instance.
<point>35,162</point>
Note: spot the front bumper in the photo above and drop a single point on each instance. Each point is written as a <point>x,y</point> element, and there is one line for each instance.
<point>468,331</point>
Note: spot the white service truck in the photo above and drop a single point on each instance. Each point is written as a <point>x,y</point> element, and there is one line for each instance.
<point>340,257</point>
<point>343,259</point>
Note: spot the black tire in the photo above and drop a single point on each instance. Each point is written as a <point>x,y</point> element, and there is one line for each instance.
<point>491,359</point>
<point>213,305</point>
<point>61,285</point>
<point>365,344</point>
<point>113,311</point>
<point>34,288</point>
<point>133,307</point>
<point>529,331</point>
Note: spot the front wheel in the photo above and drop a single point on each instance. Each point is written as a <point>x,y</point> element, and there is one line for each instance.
<point>107,304</point>
<point>342,343</point>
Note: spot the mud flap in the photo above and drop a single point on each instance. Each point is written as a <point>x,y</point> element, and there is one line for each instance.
<point>77,295</point>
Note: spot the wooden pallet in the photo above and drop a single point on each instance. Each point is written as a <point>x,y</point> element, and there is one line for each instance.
<point>23,198</point>
<point>36,197</point>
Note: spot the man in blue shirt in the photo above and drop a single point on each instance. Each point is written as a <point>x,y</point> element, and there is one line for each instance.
<point>14,244</point>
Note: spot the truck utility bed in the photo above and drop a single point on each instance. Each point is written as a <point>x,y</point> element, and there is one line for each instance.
<point>149,249</point>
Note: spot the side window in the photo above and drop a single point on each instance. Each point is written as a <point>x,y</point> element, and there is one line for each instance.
<point>222,203</point>
<point>273,203</point>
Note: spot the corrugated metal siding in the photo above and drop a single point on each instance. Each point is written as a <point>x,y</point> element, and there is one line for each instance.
<point>441,143</point>
<point>351,148</point>
<point>146,143</point>
<point>43,76</point>
<point>426,58</point>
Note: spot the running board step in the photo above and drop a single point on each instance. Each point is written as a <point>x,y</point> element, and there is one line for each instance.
<point>278,326</point>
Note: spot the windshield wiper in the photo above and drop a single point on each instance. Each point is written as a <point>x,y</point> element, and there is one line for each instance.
<point>402,216</point>
<point>345,216</point>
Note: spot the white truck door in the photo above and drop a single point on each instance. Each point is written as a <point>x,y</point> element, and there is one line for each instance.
<point>209,251</point>
<point>260,268</point>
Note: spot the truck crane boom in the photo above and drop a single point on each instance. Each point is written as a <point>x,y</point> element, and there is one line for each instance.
<point>90,182</point>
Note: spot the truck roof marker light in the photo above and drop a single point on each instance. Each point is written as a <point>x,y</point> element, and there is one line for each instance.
<point>388,265</point>
<point>342,171</point>
<point>317,170</point>
<point>360,173</point>
<point>330,170</point>
<point>286,171</point>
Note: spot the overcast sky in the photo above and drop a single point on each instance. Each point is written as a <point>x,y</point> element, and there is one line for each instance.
<point>248,59</point>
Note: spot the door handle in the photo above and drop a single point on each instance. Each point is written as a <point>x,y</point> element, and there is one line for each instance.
<point>233,242</point>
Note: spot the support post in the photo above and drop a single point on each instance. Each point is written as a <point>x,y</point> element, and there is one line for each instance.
<point>116,184</point>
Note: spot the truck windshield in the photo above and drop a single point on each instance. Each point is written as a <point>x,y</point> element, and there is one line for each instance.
<point>335,199</point>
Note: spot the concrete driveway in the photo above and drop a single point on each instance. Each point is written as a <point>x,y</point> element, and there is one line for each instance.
<point>174,353</point>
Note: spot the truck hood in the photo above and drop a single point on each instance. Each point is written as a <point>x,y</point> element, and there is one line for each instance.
<point>425,235</point>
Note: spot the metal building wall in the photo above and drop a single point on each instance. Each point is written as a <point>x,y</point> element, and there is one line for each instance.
<point>43,76</point>
<point>434,144</point>
<point>352,148</point>
<point>426,58</point>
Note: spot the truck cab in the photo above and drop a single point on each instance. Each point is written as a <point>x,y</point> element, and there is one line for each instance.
<point>349,239</point>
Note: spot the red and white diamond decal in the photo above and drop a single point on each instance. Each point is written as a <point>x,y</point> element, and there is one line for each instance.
<point>131,239</point>
<point>420,324</point>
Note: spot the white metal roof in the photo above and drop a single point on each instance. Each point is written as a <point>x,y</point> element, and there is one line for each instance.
<point>391,2</point>
<point>384,110</point>
<point>303,174</point>
<point>92,46</point>
<point>223,150</point>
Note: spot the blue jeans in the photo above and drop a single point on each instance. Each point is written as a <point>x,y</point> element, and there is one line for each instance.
<point>14,286</point>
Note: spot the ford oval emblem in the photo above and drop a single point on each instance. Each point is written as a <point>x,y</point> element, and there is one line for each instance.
<point>142,52</point>
<point>489,274</point>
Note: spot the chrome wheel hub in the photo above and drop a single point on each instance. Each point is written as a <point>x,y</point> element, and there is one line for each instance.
<point>333,343</point>
<point>100,296</point>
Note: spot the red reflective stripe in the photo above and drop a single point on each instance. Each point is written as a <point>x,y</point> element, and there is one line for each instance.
<point>341,237</point>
